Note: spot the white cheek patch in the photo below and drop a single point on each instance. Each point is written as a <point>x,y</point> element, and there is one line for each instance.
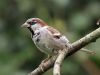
<point>35,26</point>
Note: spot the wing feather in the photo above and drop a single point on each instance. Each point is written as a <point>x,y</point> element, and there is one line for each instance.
<point>54,32</point>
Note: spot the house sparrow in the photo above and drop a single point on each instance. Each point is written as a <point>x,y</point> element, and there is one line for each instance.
<point>47,39</point>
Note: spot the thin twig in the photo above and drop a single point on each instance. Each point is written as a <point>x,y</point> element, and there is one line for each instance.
<point>88,51</point>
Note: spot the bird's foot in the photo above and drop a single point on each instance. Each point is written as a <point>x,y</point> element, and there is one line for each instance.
<point>43,62</point>
<point>41,66</point>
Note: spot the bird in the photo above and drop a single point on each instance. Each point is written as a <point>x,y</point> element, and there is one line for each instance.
<point>46,38</point>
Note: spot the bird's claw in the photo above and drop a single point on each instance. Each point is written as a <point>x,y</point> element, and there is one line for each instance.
<point>41,66</point>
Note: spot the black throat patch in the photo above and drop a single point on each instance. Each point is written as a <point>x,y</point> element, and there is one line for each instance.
<point>31,31</point>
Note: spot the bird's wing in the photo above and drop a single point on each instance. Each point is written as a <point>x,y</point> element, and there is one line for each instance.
<point>54,32</point>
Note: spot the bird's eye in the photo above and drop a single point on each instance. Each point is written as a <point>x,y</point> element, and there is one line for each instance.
<point>31,23</point>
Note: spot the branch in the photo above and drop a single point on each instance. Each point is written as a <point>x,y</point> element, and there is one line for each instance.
<point>58,62</point>
<point>45,67</point>
<point>74,47</point>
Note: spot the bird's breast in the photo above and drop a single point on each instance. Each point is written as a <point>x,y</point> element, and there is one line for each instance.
<point>41,40</point>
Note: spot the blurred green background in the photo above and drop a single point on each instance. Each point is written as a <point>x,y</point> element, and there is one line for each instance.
<point>74,18</point>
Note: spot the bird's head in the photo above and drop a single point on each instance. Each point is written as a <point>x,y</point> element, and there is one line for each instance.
<point>34,24</point>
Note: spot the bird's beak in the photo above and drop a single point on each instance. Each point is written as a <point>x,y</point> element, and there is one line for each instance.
<point>25,25</point>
